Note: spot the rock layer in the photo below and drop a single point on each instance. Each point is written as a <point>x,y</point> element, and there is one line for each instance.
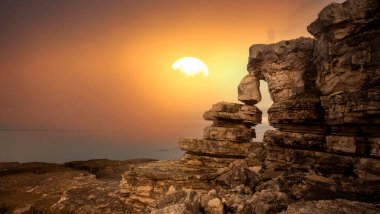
<point>207,164</point>
<point>325,91</point>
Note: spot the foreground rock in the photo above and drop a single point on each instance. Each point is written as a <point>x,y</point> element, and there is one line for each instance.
<point>210,163</point>
<point>55,188</point>
<point>332,207</point>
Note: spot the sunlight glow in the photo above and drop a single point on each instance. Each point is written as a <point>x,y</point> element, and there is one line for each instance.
<point>190,66</point>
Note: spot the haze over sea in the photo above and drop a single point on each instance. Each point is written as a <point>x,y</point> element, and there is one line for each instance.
<point>64,145</point>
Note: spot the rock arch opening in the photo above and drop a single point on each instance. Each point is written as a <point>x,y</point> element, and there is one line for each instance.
<point>263,105</point>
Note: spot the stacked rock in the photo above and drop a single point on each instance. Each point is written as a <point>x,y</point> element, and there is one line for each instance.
<point>232,124</point>
<point>225,157</point>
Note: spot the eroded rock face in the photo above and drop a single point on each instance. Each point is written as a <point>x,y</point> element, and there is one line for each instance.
<point>180,202</point>
<point>325,92</point>
<point>286,66</point>
<point>347,46</point>
<point>233,114</point>
<point>56,188</point>
<point>332,207</point>
<point>213,162</point>
<point>249,90</point>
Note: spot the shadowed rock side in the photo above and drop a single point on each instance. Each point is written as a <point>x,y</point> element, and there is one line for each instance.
<point>323,157</point>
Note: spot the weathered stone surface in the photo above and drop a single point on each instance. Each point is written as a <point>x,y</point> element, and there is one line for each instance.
<point>176,170</point>
<point>265,202</point>
<point>215,148</point>
<point>322,162</point>
<point>178,202</point>
<point>345,144</point>
<point>233,112</point>
<point>332,207</point>
<point>325,92</point>
<point>347,107</point>
<point>286,67</point>
<point>249,90</point>
<point>302,111</point>
<point>215,206</point>
<point>229,133</point>
<point>207,161</point>
<point>103,168</point>
<point>347,46</point>
<point>368,169</point>
<point>295,140</point>
<point>56,188</point>
<point>373,146</point>
<point>238,176</point>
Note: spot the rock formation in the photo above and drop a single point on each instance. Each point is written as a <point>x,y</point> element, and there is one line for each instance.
<point>325,151</point>
<point>326,93</point>
<point>206,164</point>
<point>75,187</point>
<point>323,157</point>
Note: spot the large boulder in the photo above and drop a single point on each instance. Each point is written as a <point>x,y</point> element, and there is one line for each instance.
<point>249,90</point>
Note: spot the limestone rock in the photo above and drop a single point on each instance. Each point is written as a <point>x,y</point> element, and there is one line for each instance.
<point>233,112</point>
<point>249,90</point>
<point>295,140</point>
<point>306,111</point>
<point>215,148</point>
<point>326,94</point>
<point>56,188</point>
<point>229,133</point>
<point>332,207</point>
<point>345,144</point>
<point>286,67</point>
<point>347,46</point>
<point>238,176</point>
<point>303,159</point>
<point>178,202</point>
<point>368,169</point>
<point>264,202</point>
<point>347,107</point>
<point>215,206</point>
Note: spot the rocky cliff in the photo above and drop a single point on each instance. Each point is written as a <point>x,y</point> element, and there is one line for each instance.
<point>324,153</point>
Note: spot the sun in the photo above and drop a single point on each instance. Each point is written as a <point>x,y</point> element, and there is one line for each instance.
<point>190,66</point>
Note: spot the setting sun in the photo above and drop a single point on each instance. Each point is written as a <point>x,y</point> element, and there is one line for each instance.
<point>190,66</point>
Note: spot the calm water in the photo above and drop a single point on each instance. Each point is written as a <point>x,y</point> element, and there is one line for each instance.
<point>64,146</point>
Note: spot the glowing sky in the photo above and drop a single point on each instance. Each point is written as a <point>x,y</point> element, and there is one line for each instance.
<point>105,66</point>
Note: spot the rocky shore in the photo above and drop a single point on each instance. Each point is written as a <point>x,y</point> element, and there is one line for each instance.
<point>323,157</point>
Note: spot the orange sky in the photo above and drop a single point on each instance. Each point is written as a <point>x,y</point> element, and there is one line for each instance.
<point>106,65</point>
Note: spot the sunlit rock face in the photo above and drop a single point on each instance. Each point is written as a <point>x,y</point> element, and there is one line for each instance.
<point>226,158</point>
<point>249,90</point>
<point>286,66</point>
<point>326,94</point>
<point>347,46</point>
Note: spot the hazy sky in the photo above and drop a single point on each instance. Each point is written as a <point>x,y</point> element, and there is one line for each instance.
<point>104,68</point>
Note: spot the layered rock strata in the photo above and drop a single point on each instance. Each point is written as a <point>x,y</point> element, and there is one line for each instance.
<point>326,94</point>
<point>206,163</point>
